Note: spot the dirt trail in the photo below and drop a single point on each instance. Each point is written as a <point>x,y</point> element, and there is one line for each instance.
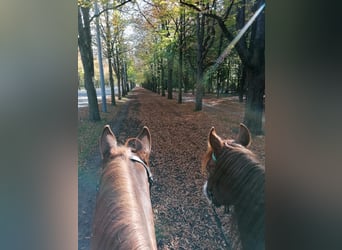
<point>183,219</point>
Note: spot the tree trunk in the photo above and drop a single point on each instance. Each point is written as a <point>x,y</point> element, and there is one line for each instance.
<point>170,74</point>
<point>123,82</point>
<point>242,81</point>
<point>84,44</point>
<point>199,81</point>
<point>109,57</point>
<point>118,77</point>
<point>162,77</point>
<point>181,35</point>
<point>254,103</point>
<point>126,78</point>
<point>158,76</point>
<point>111,82</point>
<point>255,76</point>
<point>116,66</point>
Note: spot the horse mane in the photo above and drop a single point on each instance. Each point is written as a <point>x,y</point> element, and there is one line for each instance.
<point>117,212</point>
<point>244,176</point>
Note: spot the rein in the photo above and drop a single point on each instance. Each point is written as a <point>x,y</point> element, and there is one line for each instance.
<point>135,158</point>
<point>219,225</point>
<point>217,219</point>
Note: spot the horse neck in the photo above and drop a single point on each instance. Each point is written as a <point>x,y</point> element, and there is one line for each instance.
<point>124,199</point>
<point>245,180</point>
<point>242,175</point>
<point>143,200</point>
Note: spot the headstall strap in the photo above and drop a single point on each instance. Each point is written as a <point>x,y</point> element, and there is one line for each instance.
<point>148,171</point>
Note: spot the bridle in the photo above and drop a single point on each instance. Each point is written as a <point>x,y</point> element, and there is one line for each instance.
<point>135,158</point>
<point>217,219</point>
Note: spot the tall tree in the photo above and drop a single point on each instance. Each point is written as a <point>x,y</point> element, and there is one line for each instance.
<point>109,50</point>
<point>162,76</point>
<point>170,60</point>
<point>181,41</point>
<point>200,67</point>
<point>250,49</point>
<point>116,66</point>
<point>255,75</point>
<point>84,44</point>
<point>205,38</point>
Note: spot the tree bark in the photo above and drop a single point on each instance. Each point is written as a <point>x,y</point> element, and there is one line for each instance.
<point>255,76</point>
<point>199,82</point>
<point>162,77</point>
<point>84,44</point>
<point>170,73</point>
<point>111,82</point>
<point>109,57</point>
<point>181,39</point>
<point>242,82</point>
<point>254,103</point>
<point>116,67</point>
<point>123,82</point>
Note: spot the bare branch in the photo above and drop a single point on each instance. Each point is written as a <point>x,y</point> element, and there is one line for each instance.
<point>243,53</point>
<point>148,21</point>
<point>148,3</point>
<point>109,8</point>
<point>190,5</point>
<point>226,14</point>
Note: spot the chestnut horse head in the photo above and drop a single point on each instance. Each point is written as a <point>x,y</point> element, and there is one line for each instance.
<point>123,216</point>
<point>236,178</point>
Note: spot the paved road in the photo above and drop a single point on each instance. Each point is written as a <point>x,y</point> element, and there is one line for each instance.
<point>83,99</point>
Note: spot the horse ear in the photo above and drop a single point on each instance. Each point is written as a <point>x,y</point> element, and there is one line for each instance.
<point>215,141</point>
<point>145,138</point>
<point>244,136</point>
<point>107,141</point>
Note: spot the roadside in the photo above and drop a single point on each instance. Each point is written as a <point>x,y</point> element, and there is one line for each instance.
<point>89,164</point>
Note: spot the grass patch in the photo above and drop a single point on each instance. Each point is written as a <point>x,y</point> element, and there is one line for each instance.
<point>89,132</point>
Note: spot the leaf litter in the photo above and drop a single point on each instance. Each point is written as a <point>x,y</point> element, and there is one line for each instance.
<point>183,218</point>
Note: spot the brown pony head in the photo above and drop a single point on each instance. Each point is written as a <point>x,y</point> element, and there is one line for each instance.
<point>236,178</point>
<point>216,145</point>
<point>123,217</point>
<point>217,166</point>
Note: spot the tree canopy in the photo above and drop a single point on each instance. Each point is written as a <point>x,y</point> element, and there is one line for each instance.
<point>171,45</point>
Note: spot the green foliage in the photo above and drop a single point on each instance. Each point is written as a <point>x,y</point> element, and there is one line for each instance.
<point>155,37</point>
<point>85,3</point>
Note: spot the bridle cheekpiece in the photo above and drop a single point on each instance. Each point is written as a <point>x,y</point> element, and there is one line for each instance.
<point>148,171</point>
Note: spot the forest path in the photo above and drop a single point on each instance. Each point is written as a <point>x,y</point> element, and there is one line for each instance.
<point>183,219</point>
